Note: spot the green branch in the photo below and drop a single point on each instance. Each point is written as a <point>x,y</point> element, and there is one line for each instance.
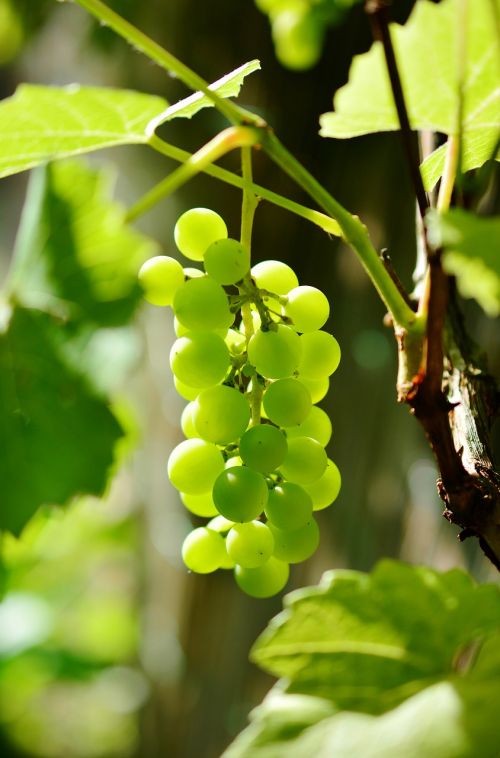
<point>353,231</point>
<point>324,222</point>
<point>163,58</point>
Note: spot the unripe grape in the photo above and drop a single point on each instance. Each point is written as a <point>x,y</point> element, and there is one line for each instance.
<point>324,491</point>
<point>227,261</point>
<point>274,276</point>
<point>308,308</point>
<point>185,391</point>
<point>250,545</point>
<point>203,550</point>
<point>316,425</point>
<point>220,524</point>
<point>200,359</point>
<point>187,424</point>
<point>220,414</point>
<point>295,545</point>
<point>320,355</point>
<point>201,304</point>
<point>275,354</point>
<point>240,494</point>
<point>317,387</point>
<point>263,581</point>
<point>160,277</point>
<point>196,229</point>
<point>201,505</point>
<point>305,461</point>
<point>287,402</point>
<point>289,506</point>
<point>297,37</point>
<point>263,448</point>
<point>194,465</point>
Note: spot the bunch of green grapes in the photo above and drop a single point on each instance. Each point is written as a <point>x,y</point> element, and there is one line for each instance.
<point>252,360</point>
<point>298,27</point>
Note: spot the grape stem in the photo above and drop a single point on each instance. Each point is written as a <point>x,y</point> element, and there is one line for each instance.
<point>222,143</point>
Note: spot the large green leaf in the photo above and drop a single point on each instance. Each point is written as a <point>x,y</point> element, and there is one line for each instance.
<point>56,434</point>
<point>365,642</point>
<point>74,251</point>
<point>471,253</point>
<point>39,124</point>
<point>332,645</point>
<point>457,718</point>
<point>429,58</point>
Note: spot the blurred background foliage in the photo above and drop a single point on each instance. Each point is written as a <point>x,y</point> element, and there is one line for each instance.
<point>107,646</point>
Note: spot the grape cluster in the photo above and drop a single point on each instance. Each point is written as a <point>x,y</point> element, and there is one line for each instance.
<point>251,359</point>
<point>298,27</point>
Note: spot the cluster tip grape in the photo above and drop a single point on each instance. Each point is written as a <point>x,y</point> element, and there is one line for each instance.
<point>252,361</point>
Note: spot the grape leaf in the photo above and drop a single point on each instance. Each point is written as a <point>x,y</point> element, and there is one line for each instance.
<point>330,644</point>
<point>427,51</point>
<point>74,251</point>
<point>358,640</point>
<point>38,124</point>
<point>471,246</point>
<point>227,86</point>
<point>56,433</point>
<point>457,718</point>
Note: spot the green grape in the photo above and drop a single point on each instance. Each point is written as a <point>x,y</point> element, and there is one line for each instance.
<point>181,330</point>
<point>196,229</point>
<point>236,342</point>
<point>201,505</point>
<point>160,277</point>
<point>202,304</point>
<point>308,308</point>
<point>227,261</point>
<point>221,414</point>
<point>200,359</point>
<point>240,494</point>
<point>295,545</point>
<point>220,524</point>
<point>250,545</point>
<point>235,460</point>
<point>185,391</point>
<point>325,489</point>
<point>305,461</point>
<point>263,581</point>
<point>287,402</point>
<point>317,387</point>
<point>297,37</point>
<point>263,448</point>
<point>227,562</point>
<point>316,425</point>
<point>194,465</point>
<point>274,276</point>
<point>320,355</point>
<point>203,550</point>
<point>193,273</point>
<point>275,354</point>
<point>270,6</point>
<point>289,506</point>
<point>187,424</point>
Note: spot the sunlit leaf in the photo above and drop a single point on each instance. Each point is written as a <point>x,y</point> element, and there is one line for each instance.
<point>74,251</point>
<point>38,124</point>
<point>429,58</point>
<point>227,86</point>
<point>56,434</point>
<point>471,253</point>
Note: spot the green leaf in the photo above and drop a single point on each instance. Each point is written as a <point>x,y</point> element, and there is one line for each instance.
<point>381,666</point>
<point>38,124</point>
<point>471,246</point>
<point>452,719</point>
<point>74,252</point>
<point>56,434</point>
<point>366,642</point>
<point>228,86</point>
<point>428,54</point>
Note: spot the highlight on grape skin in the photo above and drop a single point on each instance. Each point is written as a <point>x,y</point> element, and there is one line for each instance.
<point>252,360</point>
